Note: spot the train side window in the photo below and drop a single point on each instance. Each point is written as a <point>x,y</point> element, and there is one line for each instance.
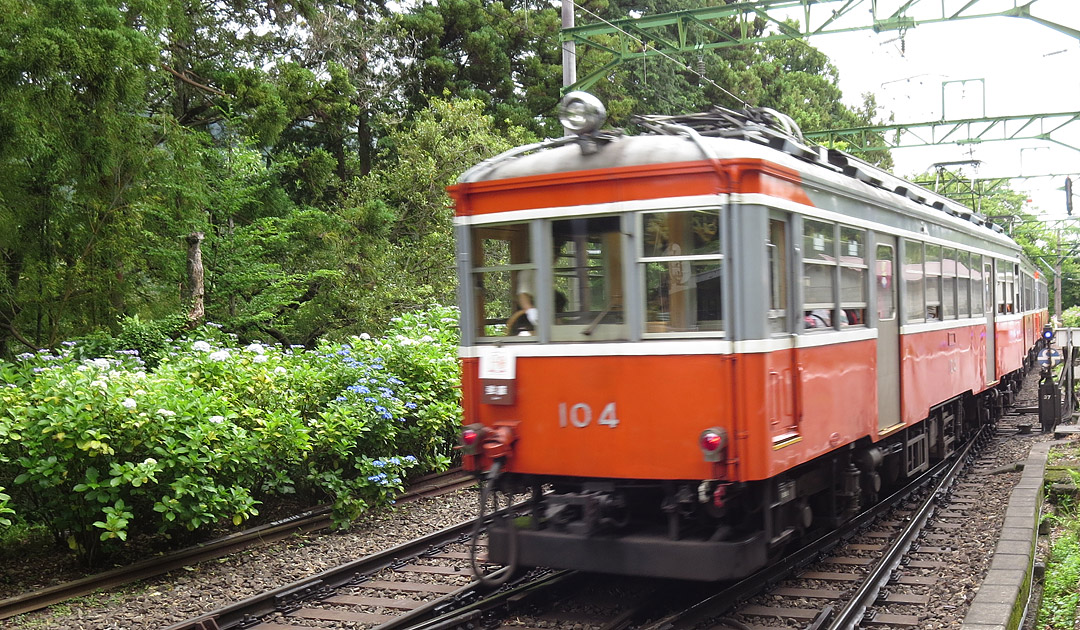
<point>914,300</point>
<point>948,283</point>
<point>883,274</point>
<point>1004,288</point>
<point>778,287</point>
<point>933,282</point>
<point>853,276</point>
<point>819,274</point>
<point>503,275</point>
<point>978,286</point>
<point>588,276</point>
<point>683,268</point>
<point>963,284</point>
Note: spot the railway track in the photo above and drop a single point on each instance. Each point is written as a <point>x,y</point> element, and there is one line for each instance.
<point>305,522</point>
<point>879,574</point>
<point>874,574</point>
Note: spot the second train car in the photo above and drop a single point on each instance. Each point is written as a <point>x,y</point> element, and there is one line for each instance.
<point>697,344</point>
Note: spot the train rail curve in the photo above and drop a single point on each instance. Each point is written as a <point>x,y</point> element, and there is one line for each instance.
<point>308,521</point>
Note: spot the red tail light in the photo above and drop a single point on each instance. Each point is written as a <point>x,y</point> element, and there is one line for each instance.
<point>713,441</point>
<point>471,437</point>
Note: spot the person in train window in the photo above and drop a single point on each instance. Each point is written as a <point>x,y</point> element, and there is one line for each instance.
<point>525,317</point>
<point>822,318</point>
<point>817,318</point>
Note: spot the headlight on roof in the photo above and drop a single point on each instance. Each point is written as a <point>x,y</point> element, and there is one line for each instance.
<point>581,112</point>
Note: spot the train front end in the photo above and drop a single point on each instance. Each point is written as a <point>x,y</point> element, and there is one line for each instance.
<point>597,373</point>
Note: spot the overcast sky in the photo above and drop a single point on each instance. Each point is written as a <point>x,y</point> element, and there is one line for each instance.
<point>1027,68</point>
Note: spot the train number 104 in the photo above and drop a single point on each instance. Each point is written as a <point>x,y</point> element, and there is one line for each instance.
<point>580,415</point>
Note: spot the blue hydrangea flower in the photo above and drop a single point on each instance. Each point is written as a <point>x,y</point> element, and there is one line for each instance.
<point>410,405</point>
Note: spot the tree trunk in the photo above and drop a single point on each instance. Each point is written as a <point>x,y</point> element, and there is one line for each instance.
<point>194,295</point>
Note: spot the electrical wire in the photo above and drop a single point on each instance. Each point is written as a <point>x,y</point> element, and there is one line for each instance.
<point>646,46</point>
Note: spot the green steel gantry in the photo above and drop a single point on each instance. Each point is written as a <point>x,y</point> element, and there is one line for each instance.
<point>708,28</point>
<point>961,131</point>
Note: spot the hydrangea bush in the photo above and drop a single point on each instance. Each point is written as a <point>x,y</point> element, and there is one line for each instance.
<point>97,448</point>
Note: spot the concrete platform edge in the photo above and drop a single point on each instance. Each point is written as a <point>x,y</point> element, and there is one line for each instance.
<point>986,609</point>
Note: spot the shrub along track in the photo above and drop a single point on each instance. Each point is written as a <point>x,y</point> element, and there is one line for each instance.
<point>305,522</point>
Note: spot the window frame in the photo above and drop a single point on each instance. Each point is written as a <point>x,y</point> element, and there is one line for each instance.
<point>642,260</point>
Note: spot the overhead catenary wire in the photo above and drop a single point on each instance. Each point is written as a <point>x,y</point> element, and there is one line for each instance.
<point>646,46</point>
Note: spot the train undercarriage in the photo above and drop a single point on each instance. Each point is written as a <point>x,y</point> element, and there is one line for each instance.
<point>711,530</point>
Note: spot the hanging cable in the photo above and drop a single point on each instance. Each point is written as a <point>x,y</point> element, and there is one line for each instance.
<point>499,577</point>
<point>646,47</point>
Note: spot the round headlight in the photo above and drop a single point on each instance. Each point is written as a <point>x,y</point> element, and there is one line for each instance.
<point>581,112</point>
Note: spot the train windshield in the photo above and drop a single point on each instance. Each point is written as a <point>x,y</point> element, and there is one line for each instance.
<point>502,279</point>
<point>586,266</point>
<point>588,279</point>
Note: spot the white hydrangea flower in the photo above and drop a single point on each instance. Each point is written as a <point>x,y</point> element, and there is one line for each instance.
<point>365,336</point>
<point>129,403</point>
<point>260,358</point>
<point>166,412</point>
<point>220,355</point>
<point>201,346</point>
<point>280,370</point>
<point>217,419</point>
<point>149,461</point>
<point>427,339</point>
<point>101,363</point>
<point>256,347</point>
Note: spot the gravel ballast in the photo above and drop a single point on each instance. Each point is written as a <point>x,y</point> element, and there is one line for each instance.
<point>184,594</point>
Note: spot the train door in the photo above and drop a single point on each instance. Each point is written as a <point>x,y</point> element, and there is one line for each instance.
<point>888,328</point>
<point>990,308</point>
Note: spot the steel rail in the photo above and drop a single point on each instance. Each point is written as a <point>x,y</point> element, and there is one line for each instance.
<point>249,610</point>
<point>424,619</point>
<point>305,522</point>
<point>724,601</point>
<point>851,616</point>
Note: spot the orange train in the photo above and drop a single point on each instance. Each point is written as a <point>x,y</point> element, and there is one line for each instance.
<point>699,343</point>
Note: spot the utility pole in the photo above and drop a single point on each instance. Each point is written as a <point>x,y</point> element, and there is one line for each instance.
<point>1057,278</point>
<point>569,47</point>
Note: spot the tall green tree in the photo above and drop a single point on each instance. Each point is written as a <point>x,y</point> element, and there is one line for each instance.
<point>75,159</point>
<point>505,54</point>
<point>402,207</point>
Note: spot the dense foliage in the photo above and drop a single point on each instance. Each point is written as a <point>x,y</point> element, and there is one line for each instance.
<point>1060,594</point>
<point>310,142</point>
<point>97,448</point>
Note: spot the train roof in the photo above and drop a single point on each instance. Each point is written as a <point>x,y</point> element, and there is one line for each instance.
<point>722,135</point>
